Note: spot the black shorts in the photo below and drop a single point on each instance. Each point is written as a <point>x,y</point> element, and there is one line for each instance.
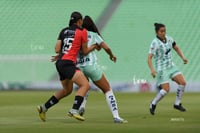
<point>66,69</point>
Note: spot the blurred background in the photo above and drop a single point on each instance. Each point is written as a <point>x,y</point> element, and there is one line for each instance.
<point>29,30</point>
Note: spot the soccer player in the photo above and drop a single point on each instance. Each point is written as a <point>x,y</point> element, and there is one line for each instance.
<point>165,69</point>
<point>88,65</point>
<point>70,41</point>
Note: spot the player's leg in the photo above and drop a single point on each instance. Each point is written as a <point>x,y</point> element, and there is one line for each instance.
<point>79,79</point>
<point>83,105</point>
<point>163,82</point>
<point>96,75</point>
<point>160,95</point>
<point>104,85</point>
<point>89,72</point>
<point>67,89</point>
<point>164,90</point>
<point>179,79</point>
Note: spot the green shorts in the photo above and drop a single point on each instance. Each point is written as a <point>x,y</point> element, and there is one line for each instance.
<point>93,72</point>
<point>165,75</point>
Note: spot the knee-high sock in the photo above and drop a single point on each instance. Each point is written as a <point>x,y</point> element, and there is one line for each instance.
<point>77,102</point>
<point>159,96</point>
<point>84,101</point>
<point>179,94</point>
<point>51,102</point>
<point>112,103</point>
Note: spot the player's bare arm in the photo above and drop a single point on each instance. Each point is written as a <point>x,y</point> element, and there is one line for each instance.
<point>180,53</point>
<point>57,51</point>
<point>109,52</point>
<point>150,64</point>
<point>58,46</point>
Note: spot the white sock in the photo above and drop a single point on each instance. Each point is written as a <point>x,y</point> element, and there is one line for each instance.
<point>44,109</point>
<point>159,96</point>
<point>112,103</point>
<point>179,94</point>
<point>84,101</point>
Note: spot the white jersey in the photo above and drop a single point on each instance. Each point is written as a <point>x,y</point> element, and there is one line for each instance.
<point>162,53</point>
<point>91,58</point>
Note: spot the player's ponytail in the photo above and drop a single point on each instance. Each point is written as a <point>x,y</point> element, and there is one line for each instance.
<point>158,26</point>
<point>90,25</point>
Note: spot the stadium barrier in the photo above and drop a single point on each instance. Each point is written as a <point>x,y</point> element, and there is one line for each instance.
<point>116,86</point>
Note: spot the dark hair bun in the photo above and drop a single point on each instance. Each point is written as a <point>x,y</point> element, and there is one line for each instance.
<point>158,26</point>
<point>155,24</point>
<point>75,16</point>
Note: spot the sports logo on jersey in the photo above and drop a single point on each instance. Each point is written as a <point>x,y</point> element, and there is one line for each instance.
<point>168,50</point>
<point>69,33</point>
<point>89,36</point>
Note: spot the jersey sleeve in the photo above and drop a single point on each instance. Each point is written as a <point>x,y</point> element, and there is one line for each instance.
<point>172,42</point>
<point>153,48</point>
<point>98,39</point>
<point>84,36</point>
<point>60,36</point>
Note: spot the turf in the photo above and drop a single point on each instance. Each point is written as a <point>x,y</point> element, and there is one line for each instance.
<point>18,114</point>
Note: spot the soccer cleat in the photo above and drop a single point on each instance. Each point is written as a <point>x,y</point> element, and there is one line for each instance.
<point>42,114</point>
<point>75,114</point>
<point>82,111</point>
<point>152,109</point>
<point>179,107</point>
<point>120,120</point>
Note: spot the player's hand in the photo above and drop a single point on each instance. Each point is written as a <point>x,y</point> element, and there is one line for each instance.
<point>95,46</point>
<point>153,73</point>
<point>98,48</point>
<point>54,58</point>
<point>113,58</point>
<point>185,61</point>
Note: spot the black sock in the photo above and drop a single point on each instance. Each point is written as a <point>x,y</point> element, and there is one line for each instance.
<point>77,102</point>
<point>52,101</point>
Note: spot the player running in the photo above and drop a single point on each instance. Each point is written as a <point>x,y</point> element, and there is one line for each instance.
<point>165,69</point>
<point>88,65</point>
<point>70,41</point>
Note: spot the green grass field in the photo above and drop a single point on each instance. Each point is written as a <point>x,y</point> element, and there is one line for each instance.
<point>18,114</point>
